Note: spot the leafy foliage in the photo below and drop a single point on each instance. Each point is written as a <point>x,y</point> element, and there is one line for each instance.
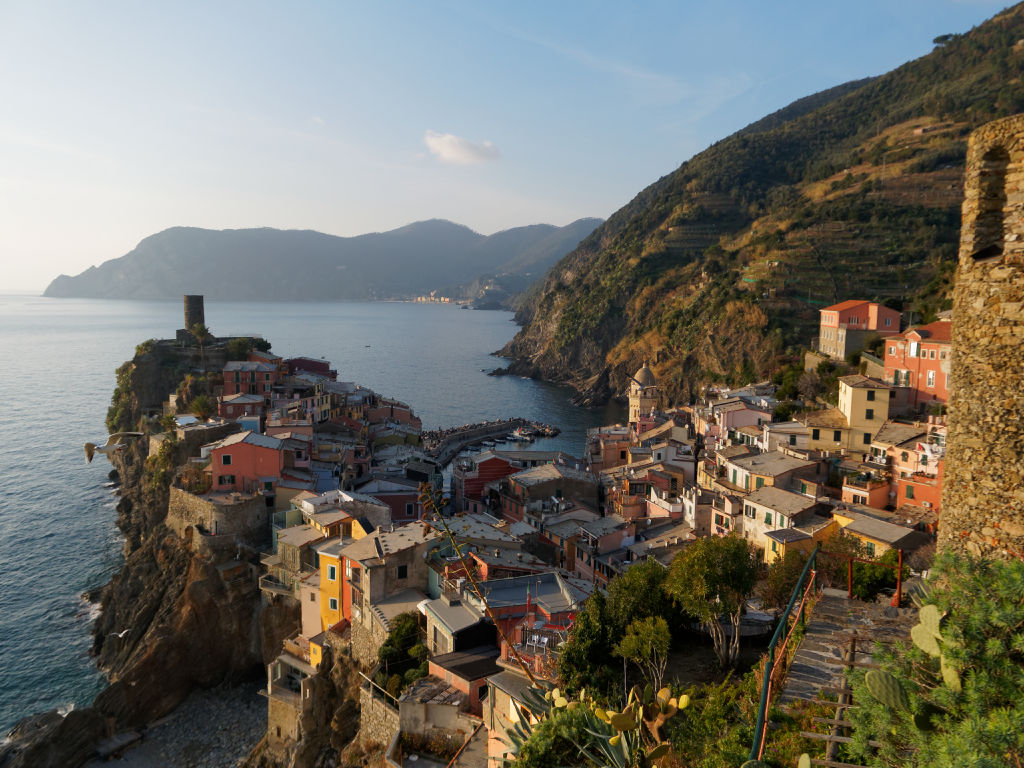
<point>964,706</point>
<point>782,578</point>
<point>646,644</point>
<point>712,578</point>
<point>403,655</point>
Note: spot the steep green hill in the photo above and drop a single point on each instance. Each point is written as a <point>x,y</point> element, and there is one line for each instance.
<point>715,269</point>
<point>273,264</point>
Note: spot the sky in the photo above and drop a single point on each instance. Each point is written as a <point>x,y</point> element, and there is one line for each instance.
<point>121,119</point>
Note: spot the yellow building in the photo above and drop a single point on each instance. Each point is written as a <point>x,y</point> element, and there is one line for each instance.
<point>801,539</point>
<point>863,410</point>
<point>332,597</point>
<point>878,536</point>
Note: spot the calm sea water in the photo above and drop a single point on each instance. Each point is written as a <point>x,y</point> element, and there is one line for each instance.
<point>58,356</point>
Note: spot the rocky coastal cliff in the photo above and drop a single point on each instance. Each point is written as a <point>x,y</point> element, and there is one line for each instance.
<point>171,621</point>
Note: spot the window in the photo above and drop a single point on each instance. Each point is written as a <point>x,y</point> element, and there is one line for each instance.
<point>403,571</point>
<point>871,394</point>
<point>870,546</point>
<point>914,348</point>
<point>803,488</point>
<point>409,509</point>
<point>720,520</point>
<point>892,351</point>
<point>888,321</point>
<point>792,439</point>
<point>622,454</point>
<point>332,573</point>
<point>924,459</point>
<point>910,491</point>
<point>760,482</point>
<point>837,435</point>
<point>225,459</point>
<point>867,438</point>
<point>748,510</point>
<point>332,603</point>
<point>869,414</point>
<point>904,456</point>
<point>312,597</point>
<point>775,547</point>
<point>266,377</point>
<point>815,434</point>
<point>226,480</point>
<point>942,355</point>
<point>931,379</point>
<point>768,518</point>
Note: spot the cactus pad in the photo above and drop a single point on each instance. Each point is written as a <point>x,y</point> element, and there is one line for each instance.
<point>925,640</point>
<point>950,676</point>
<point>930,618</point>
<point>887,689</point>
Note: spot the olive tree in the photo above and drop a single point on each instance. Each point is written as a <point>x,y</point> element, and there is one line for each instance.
<point>711,579</point>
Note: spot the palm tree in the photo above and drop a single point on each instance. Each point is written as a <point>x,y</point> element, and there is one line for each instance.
<point>203,335</point>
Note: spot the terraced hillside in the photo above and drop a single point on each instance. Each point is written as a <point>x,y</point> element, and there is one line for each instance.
<point>713,271</point>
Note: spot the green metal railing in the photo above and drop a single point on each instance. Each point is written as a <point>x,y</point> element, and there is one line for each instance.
<point>802,588</point>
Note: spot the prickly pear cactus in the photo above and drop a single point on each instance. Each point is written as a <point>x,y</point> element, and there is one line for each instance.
<point>887,689</point>
<point>930,618</point>
<point>925,640</point>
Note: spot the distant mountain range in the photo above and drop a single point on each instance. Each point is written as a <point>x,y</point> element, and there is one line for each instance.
<point>286,265</point>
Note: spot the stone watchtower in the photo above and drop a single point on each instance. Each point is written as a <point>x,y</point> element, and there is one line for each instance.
<point>643,394</point>
<point>983,488</point>
<point>194,311</point>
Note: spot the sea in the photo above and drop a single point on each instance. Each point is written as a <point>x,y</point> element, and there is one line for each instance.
<point>58,537</point>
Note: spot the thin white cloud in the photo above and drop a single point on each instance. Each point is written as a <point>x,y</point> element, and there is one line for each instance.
<point>455,150</point>
<point>318,121</point>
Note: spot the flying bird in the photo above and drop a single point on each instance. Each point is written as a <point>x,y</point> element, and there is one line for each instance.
<point>121,634</point>
<point>114,442</point>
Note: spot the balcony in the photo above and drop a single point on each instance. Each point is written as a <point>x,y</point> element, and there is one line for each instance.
<point>274,586</point>
<point>863,482</point>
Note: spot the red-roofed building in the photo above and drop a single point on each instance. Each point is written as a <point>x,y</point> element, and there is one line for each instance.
<point>919,360</point>
<point>846,325</point>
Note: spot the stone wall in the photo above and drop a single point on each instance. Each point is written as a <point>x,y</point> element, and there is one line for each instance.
<point>366,641</point>
<point>983,487</point>
<point>378,719</point>
<point>246,521</point>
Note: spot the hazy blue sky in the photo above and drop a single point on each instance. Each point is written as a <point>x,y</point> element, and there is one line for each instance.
<point>120,119</point>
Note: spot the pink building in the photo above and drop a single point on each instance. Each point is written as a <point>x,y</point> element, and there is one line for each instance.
<point>247,462</point>
<point>845,326</point>
<point>251,378</point>
<point>919,360</point>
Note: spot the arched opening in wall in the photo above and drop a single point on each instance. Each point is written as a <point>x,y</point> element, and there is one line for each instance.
<point>989,227</point>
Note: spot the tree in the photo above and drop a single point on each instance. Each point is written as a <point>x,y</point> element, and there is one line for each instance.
<point>636,594</point>
<point>712,578</point>
<point>238,349</point>
<point>783,575</point>
<point>202,407</point>
<point>585,656</point>
<point>646,644</point>
<point>809,385</point>
<point>202,335</point>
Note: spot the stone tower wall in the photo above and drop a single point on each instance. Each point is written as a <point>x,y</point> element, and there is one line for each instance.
<point>983,488</point>
<point>194,312</point>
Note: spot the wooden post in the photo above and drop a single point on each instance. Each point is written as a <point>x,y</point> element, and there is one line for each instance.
<point>899,577</point>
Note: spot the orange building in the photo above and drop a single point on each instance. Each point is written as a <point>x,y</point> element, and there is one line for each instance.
<point>919,360</point>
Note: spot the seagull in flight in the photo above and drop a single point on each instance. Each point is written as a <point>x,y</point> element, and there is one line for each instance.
<point>121,634</point>
<point>114,442</point>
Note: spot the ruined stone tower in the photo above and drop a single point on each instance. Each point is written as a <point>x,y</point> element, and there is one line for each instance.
<point>983,489</point>
<point>194,311</point>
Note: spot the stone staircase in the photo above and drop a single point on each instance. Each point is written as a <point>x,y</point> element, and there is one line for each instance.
<point>818,664</point>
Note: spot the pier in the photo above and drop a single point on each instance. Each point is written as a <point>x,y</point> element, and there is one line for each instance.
<point>443,444</point>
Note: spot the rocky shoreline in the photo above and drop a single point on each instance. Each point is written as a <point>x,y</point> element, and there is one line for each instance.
<point>212,728</point>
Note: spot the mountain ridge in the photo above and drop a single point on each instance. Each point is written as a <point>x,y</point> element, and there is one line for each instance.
<point>264,263</point>
<point>717,269</point>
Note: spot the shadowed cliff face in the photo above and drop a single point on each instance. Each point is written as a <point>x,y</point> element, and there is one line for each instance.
<point>169,624</point>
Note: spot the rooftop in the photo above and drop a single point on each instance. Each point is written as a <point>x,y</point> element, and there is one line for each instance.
<point>474,664</point>
<point>939,331</point>
<point>787,535</point>
<point>547,472</point>
<point>454,616</point>
<point>784,502</point>
<point>298,535</point>
<point>895,432</point>
<point>373,548</point>
<point>859,381</point>
<point>842,305</point>
<point>771,464</point>
<point>829,418</point>
<point>249,438</point>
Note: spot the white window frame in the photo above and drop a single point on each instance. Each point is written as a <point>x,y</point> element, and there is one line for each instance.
<point>332,573</point>
<point>332,603</point>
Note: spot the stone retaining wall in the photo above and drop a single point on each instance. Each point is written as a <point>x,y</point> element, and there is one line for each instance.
<point>378,720</point>
<point>983,486</point>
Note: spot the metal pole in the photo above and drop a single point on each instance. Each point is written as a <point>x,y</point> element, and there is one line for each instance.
<point>849,578</point>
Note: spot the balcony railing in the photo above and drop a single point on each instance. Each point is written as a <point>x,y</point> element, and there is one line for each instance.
<point>866,483</point>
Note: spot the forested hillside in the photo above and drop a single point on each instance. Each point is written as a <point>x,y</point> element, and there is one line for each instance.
<point>715,270</point>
